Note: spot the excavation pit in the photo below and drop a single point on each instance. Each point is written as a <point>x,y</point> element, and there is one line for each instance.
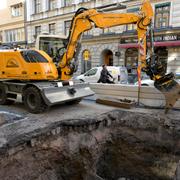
<point>117,145</point>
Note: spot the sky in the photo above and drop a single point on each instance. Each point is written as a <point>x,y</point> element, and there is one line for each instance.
<point>3,4</point>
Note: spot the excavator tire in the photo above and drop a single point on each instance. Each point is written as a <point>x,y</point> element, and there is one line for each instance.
<point>33,100</point>
<point>3,96</point>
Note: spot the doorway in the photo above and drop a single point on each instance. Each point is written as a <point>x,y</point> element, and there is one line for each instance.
<point>107,57</point>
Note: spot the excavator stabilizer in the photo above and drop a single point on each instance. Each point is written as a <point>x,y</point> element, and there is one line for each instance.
<point>170,88</point>
<point>57,95</point>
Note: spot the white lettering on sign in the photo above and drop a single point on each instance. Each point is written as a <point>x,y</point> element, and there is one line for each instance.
<point>170,38</point>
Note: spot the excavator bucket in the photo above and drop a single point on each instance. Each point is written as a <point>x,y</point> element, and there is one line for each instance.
<point>170,88</point>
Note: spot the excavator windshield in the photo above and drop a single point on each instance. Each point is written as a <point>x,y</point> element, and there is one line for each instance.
<point>50,44</point>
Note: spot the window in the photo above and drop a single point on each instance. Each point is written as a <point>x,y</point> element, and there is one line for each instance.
<point>88,33</point>
<point>162,14</point>
<point>37,6</point>
<point>16,10</point>
<point>85,1</point>
<point>14,35</point>
<point>52,28</point>
<point>67,25</point>
<point>131,27</point>
<point>37,30</point>
<point>32,56</point>
<point>52,4</point>
<point>106,31</point>
<point>51,45</point>
<point>1,38</point>
<point>91,72</point>
<point>68,2</point>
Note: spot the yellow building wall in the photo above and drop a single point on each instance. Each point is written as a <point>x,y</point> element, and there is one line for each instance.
<point>9,22</point>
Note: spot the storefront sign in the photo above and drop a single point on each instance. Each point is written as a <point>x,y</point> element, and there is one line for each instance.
<point>157,38</point>
<point>170,37</point>
<point>86,55</point>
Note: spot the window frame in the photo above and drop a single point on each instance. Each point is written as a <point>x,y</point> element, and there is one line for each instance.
<point>50,7</point>
<point>15,35</point>
<point>168,4</point>
<point>84,1</point>
<point>133,26</point>
<point>66,4</point>
<point>37,32</point>
<point>52,30</point>
<point>17,10</point>
<point>67,27</point>
<point>37,6</point>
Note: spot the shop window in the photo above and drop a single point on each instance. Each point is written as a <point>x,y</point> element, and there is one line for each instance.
<point>162,15</point>
<point>131,60</point>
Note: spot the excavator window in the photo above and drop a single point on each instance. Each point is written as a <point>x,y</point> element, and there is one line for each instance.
<point>32,56</point>
<point>51,45</point>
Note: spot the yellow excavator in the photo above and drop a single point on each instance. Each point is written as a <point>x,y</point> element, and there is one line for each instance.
<point>32,76</point>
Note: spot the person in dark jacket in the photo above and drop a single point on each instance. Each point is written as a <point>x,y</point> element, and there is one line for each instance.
<point>104,77</point>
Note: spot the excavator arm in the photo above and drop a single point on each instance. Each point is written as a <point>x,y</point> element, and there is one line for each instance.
<point>86,19</point>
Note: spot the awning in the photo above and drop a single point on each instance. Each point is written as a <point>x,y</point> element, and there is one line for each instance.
<point>156,44</point>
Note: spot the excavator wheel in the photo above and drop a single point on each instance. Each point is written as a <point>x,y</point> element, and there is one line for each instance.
<point>33,100</point>
<point>3,96</point>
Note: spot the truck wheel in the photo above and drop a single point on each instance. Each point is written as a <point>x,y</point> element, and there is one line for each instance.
<point>3,97</point>
<point>33,100</point>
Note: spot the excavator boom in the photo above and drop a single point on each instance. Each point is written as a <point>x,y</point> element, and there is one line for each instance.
<point>86,19</point>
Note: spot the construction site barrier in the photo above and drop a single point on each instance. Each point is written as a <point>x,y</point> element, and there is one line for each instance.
<point>145,95</point>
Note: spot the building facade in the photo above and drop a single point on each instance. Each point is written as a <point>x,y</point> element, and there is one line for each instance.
<point>12,29</point>
<point>166,25</point>
<point>112,46</point>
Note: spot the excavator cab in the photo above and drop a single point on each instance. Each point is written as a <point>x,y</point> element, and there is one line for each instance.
<point>53,45</point>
